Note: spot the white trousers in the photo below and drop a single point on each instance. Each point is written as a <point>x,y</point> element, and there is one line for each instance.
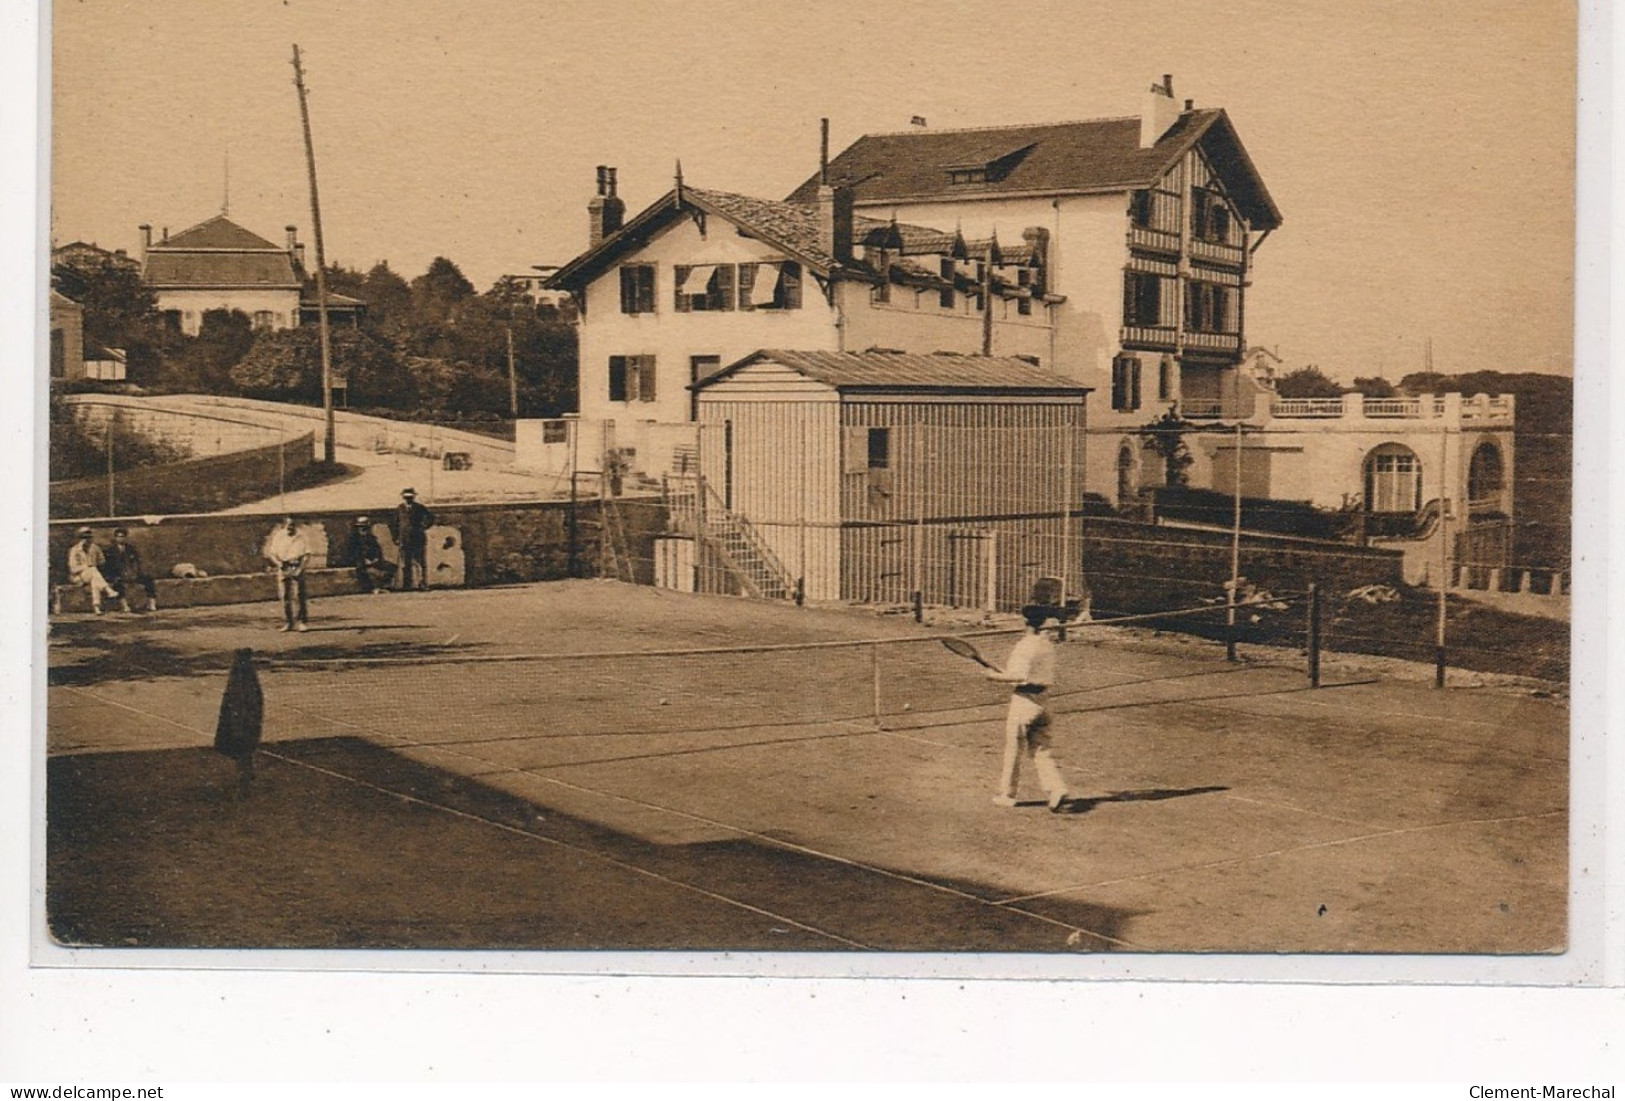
<point>92,578</point>
<point>1026,734</point>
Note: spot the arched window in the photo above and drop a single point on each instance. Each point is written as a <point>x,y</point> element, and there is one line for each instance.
<point>1393,479</point>
<point>1485,476</point>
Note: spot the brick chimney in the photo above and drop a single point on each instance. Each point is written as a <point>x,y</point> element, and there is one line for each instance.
<point>835,222</point>
<point>606,212</point>
<point>1159,112</point>
<point>146,241</point>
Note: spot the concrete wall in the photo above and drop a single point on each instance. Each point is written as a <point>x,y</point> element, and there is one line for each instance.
<point>1134,567</point>
<point>196,485</point>
<point>493,544</point>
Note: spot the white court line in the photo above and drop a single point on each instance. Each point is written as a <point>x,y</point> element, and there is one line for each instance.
<point>1249,858</point>
<point>511,829</point>
<point>595,854</point>
<point>765,839</point>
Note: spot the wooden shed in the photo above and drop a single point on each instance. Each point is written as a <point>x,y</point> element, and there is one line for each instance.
<point>870,476</point>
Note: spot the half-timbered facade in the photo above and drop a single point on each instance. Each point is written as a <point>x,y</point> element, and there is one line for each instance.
<point>1152,220</point>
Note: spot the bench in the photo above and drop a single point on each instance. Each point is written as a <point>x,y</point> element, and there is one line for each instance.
<point>226,588</point>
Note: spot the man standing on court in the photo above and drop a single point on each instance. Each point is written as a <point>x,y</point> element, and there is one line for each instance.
<point>288,550</point>
<point>412,524</point>
<point>1030,669</point>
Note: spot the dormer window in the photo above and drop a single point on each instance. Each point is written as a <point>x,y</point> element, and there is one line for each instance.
<point>960,176</point>
<point>985,165</point>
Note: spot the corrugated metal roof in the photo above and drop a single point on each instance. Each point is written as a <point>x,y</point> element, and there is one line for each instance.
<point>877,370</point>
<point>1089,156</point>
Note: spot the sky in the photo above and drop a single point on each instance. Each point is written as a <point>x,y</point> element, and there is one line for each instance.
<point>1422,154</point>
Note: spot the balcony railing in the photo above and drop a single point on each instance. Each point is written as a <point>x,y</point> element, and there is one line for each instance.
<point>1306,407</point>
<point>1215,250</point>
<point>1218,342</point>
<point>1481,409</point>
<point>1156,240</point>
<point>1154,336</point>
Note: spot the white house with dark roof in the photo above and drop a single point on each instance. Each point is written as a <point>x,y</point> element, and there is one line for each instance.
<point>701,278</point>
<point>219,265</point>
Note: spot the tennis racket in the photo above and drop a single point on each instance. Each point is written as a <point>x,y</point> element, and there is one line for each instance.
<point>966,650</point>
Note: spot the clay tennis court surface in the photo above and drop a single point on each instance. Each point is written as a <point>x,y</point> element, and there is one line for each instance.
<point>444,770</point>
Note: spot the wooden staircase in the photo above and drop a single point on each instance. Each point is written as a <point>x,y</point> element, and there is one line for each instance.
<point>727,538</point>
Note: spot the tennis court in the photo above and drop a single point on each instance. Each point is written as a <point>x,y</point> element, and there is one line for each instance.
<point>598,765</point>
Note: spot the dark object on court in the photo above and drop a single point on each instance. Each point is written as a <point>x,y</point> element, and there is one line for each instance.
<point>242,713</point>
<point>458,460</point>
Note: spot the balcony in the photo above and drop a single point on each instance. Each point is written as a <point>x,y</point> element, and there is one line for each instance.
<point>1216,252</point>
<point>1213,342</point>
<point>1153,240</point>
<point>1149,336</point>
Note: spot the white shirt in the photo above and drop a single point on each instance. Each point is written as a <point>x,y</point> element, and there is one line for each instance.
<point>1033,660</point>
<point>285,547</point>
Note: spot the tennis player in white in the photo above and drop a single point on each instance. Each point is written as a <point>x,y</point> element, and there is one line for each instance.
<point>1030,669</point>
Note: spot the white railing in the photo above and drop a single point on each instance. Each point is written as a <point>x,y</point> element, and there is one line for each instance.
<point>1214,250</point>
<point>1393,407</point>
<point>1307,407</point>
<point>1219,341</point>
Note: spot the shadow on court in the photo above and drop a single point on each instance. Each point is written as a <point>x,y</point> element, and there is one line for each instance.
<point>342,844</point>
<point>1144,795</point>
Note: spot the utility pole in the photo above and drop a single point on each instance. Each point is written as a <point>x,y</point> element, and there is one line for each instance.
<point>321,265</point>
<point>513,379</point>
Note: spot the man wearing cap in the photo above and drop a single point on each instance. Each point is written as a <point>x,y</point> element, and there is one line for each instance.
<point>372,569</point>
<point>412,524</point>
<point>124,572</point>
<point>85,561</point>
<point>288,550</point>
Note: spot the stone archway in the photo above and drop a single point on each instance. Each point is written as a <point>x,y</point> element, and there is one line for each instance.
<point>1486,477</point>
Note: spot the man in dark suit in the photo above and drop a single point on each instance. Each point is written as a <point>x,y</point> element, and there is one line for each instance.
<point>123,571</point>
<point>412,524</point>
<point>363,552</point>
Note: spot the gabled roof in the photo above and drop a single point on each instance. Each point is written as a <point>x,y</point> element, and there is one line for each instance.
<point>1087,157</point>
<point>790,227</point>
<point>218,232</point>
<point>218,253</point>
<point>901,371</point>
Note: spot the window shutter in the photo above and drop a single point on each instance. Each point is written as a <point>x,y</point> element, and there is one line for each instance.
<point>646,378</point>
<point>854,450</point>
<point>682,301</point>
<point>628,292</point>
<point>646,288</point>
<point>747,282</point>
<point>1119,371</point>
<point>723,295</point>
<point>617,378</point>
<point>1134,383</point>
<point>790,285</point>
<point>1130,314</point>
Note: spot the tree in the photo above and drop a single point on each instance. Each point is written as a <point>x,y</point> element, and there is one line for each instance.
<point>203,364</point>
<point>388,298</point>
<point>437,292</point>
<point>1165,436</point>
<point>285,365</point>
<point>120,311</point>
<point>1307,382</point>
<point>1374,387</point>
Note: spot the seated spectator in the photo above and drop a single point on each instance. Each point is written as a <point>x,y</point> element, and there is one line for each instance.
<point>85,561</point>
<point>372,570</point>
<point>123,571</point>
